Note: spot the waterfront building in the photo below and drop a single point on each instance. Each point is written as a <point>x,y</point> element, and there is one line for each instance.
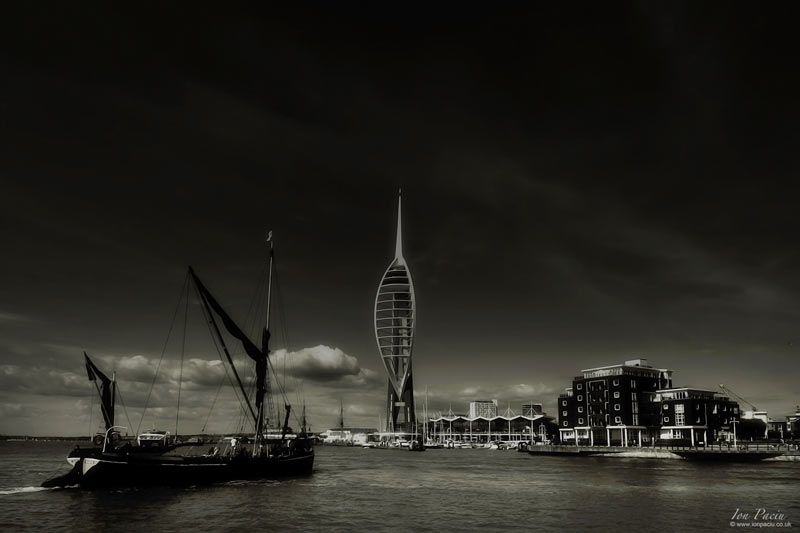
<point>693,416</point>
<point>395,322</point>
<point>532,409</point>
<point>793,423</point>
<point>483,408</point>
<point>634,403</point>
<point>476,430</point>
<point>611,404</point>
<point>346,436</point>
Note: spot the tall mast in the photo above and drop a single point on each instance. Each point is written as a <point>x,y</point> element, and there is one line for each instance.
<point>114,396</point>
<point>425,427</point>
<point>265,345</point>
<point>269,279</point>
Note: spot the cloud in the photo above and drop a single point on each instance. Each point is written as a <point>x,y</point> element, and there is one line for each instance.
<point>9,410</point>
<point>42,381</point>
<point>6,316</point>
<point>323,364</point>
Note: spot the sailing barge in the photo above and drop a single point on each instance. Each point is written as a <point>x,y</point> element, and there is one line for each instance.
<point>153,459</point>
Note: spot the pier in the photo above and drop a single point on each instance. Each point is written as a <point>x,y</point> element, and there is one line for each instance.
<point>750,452</point>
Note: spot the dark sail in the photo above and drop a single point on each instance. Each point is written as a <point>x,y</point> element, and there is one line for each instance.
<point>256,354</point>
<point>106,390</point>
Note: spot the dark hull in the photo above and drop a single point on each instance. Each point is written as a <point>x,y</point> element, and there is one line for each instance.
<point>111,470</point>
<point>725,457</point>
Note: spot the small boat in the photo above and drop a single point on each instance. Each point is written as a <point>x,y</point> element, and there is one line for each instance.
<point>153,459</point>
<point>416,446</point>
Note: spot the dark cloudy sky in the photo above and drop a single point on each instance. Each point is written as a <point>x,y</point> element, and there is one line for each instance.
<point>582,185</point>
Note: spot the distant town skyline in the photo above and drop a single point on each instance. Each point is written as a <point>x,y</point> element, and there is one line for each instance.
<point>581,187</point>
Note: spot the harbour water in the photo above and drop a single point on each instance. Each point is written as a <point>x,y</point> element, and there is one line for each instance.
<point>355,489</point>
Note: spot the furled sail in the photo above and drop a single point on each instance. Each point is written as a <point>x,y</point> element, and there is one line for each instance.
<point>106,390</point>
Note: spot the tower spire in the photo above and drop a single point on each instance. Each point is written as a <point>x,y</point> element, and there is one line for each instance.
<point>398,247</point>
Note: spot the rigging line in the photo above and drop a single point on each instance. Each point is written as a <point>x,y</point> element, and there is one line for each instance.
<point>255,305</point>
<point>213,403</point>
<point>299,394</point>
<point>283,391</point>
<point>124,407</point>
<point>163,351</point>
<point>183,352</point>
<point>219,354</point>
<point>210,317</point>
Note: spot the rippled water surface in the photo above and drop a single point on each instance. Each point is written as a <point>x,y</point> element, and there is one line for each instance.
<point>388,490</point>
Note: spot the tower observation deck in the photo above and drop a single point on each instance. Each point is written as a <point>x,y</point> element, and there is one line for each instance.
<point>395,320</point>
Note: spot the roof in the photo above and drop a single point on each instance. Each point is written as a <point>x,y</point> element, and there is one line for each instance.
<point>492,419</point>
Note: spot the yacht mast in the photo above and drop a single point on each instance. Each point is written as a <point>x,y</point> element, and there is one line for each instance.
<point>265,349</point>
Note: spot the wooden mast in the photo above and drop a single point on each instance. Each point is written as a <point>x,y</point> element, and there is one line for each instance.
<point>265,348</point>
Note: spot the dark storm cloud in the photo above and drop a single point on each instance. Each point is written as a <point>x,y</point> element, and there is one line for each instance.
<point>579,184</point>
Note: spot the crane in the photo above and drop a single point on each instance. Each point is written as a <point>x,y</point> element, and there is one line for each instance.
<point>726,390</point>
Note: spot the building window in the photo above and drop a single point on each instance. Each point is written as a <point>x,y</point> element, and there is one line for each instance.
<point>565,423</point>
<point>563,413</point>
<point>680,417</point>
<point>666,406</point>
<point>616,382</point>
<point>580,409</point>
<point>618,419</point>
<point>564,403</point>
<point>633,383</point>
<point>666,419</point>
<point>580,421</point>
<point>616,394</point>
<point>698,420</point>
<point>580,398</point>
<point>579,386</point>
<point>697,407</point>
<point>616,407</point>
